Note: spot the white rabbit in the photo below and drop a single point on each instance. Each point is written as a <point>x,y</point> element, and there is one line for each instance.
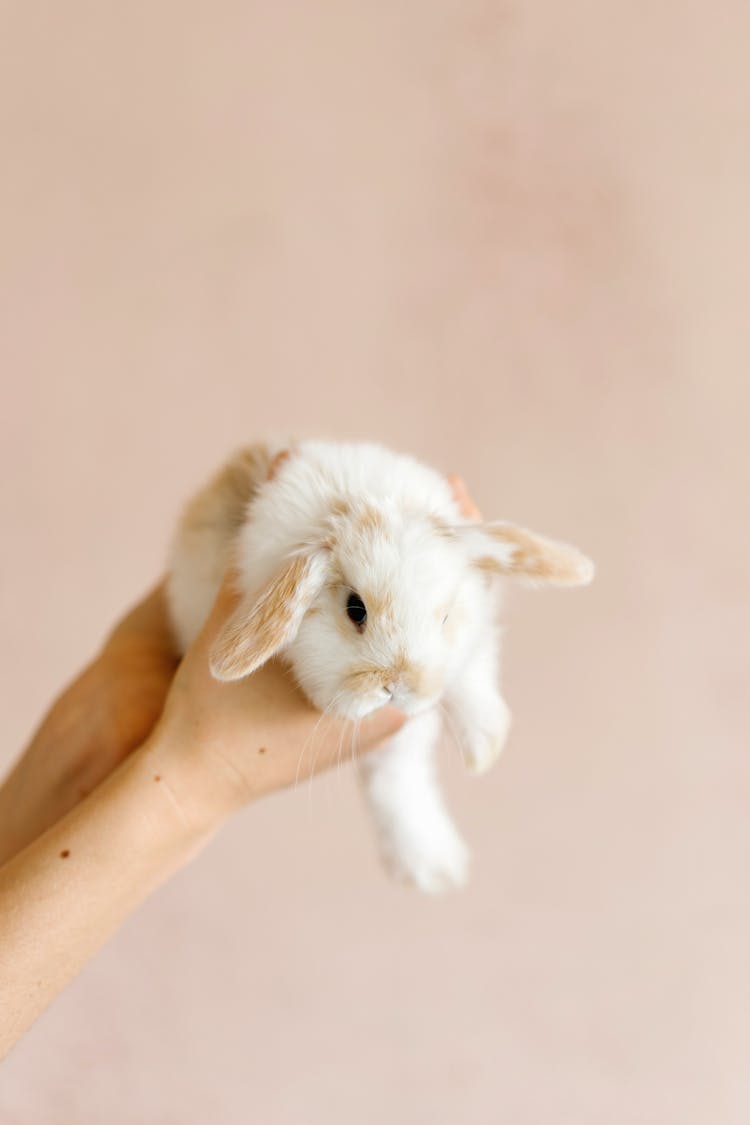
<point>356,565</point>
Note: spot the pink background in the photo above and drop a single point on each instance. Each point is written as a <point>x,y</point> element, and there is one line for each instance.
<point>513,239</point>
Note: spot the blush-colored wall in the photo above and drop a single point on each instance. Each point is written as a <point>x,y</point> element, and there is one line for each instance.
<point>513,239</point>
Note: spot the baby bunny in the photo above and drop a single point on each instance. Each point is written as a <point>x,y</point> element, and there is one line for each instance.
<point>356,566</point>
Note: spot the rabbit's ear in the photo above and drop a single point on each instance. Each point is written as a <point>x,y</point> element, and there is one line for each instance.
<point>262,624</point>
<point>505,548</point>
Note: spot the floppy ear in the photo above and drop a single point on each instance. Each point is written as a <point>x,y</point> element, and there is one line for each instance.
<point>504,548</point>
<point>264,623</point>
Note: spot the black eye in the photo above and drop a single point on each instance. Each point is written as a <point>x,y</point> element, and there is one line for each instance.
<point>356,610</point>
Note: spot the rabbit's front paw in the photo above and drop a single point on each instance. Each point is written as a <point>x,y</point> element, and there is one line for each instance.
<point>434,861</point>
<point>485,742</point>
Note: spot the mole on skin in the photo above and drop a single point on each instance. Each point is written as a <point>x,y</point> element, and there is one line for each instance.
<point>157,777</point>
<point>65,853</point>
<point>262,750</point>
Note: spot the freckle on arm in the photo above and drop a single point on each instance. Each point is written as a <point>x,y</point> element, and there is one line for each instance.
<point>65,853</point>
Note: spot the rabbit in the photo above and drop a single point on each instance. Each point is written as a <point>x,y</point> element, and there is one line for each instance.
<point>356,566</point>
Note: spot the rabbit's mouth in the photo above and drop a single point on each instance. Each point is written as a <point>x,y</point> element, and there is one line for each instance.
<point>358,706</point>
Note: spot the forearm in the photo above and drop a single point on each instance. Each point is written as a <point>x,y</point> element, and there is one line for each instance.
<point>216,747</point>
<point>64,895</point>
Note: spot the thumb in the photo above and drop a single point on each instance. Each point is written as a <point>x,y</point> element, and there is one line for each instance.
<point>378,727</point>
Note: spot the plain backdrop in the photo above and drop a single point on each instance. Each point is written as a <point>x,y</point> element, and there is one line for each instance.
<point>514,240</point>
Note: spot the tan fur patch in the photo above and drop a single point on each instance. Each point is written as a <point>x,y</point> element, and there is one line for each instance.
<point>441,528</point>
<point>363,680</point>
<point>489,565</point>
<point>222,502</point>
<point>400,667</point>
<point>372,677</point>
<point>410,676</point>
<point>535,557</point>
<point>422,681</point>
<point>337,574</point>
<point>276,607</point>
<point>340,507</point>
<point>379,605</point>
<point>369,520</point>
<point>255,632</point>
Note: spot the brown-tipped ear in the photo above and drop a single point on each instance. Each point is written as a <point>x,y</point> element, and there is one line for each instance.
<point>504,548</point>
<point>264,623</point>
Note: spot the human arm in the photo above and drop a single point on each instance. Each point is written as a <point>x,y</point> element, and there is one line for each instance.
<point>216,747</point>
<point>107,711</point>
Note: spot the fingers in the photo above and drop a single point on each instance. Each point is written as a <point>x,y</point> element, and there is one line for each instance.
<point>463,498</point>
<point>277,462</point>
<point>147,620</point>
<point>383,724</point>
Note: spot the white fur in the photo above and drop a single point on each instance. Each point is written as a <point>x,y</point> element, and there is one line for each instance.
<point>318,504</point>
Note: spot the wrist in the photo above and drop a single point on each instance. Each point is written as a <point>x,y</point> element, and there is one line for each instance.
<point>201,798</point>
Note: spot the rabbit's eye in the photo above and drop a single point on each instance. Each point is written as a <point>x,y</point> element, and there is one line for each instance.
<point>356,610</point>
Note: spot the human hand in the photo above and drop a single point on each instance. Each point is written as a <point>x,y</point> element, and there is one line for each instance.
<point>219,745</point>
<point>463,498</point>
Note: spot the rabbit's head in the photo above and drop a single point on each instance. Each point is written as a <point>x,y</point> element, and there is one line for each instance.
<point>381,604</point>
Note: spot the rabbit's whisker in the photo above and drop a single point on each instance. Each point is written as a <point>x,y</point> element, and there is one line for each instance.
<point>325,714</point>
<point>453,731</point>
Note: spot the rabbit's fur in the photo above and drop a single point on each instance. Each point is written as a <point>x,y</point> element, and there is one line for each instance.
<point>309,527</point>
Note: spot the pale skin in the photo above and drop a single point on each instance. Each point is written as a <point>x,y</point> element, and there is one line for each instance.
<point>135,767</point>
